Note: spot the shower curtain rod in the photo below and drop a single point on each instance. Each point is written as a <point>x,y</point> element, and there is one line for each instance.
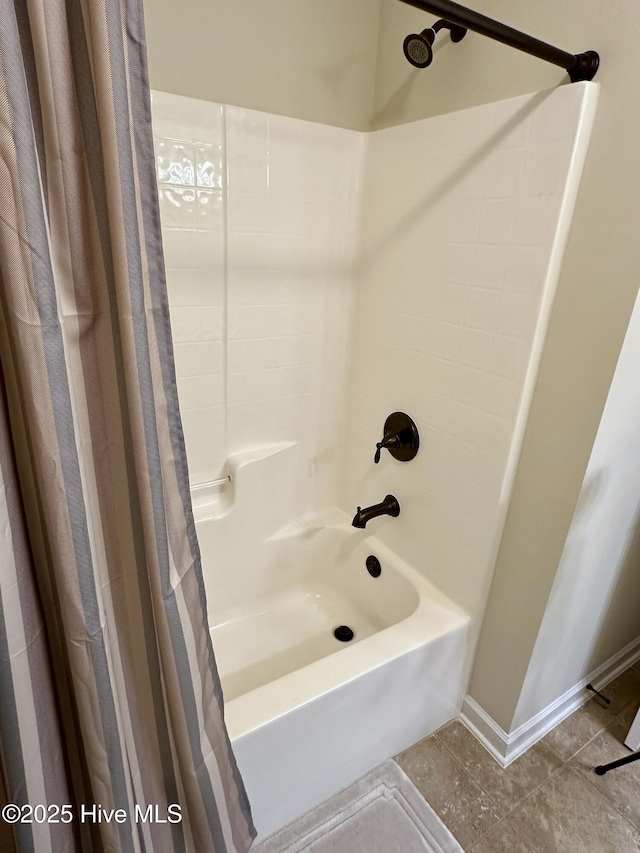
<point>581,66</point>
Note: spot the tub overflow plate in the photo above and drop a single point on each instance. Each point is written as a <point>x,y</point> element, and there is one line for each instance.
<point>373,566</point>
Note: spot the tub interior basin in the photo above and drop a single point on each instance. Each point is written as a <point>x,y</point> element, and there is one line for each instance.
<point>283,630</point>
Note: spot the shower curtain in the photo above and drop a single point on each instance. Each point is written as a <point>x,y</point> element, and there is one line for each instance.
<point>111,724</point>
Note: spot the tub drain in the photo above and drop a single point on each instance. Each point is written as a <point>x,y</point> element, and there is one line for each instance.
<point>343,633</point>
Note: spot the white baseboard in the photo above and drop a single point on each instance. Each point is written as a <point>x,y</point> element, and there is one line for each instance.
<point>507,746</point>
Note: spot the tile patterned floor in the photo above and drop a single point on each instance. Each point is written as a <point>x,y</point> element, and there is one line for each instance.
<point>549,800</point>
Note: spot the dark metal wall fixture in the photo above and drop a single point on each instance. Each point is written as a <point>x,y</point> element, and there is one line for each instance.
<point>373,566</point>
<point>417,48</point>
<point>400,438</point>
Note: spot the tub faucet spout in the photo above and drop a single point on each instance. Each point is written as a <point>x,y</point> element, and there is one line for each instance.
<point>389,506</point>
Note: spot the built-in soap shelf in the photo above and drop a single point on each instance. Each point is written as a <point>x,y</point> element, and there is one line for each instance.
<point>244,494</point>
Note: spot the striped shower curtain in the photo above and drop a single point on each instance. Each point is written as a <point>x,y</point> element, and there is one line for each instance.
<point>111,726</point>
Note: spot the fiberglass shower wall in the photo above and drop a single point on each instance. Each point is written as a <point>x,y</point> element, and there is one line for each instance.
<point>259,216</point>
<point>465,219</point>
<point>445,236</point>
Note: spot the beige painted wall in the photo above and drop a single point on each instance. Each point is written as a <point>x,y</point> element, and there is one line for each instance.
<point>594,608</point>
<point>596,291</point>
<point>309,59</point>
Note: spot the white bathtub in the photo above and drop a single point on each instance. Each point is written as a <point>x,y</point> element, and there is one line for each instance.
<point>308,714</point>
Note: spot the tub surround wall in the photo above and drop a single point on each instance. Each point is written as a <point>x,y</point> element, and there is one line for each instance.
<point>259,217</point>
<point>190,145</point>
<point>465,220</point>
<point>241,520</point>
<point>458,223</point>
<point>293,215</point>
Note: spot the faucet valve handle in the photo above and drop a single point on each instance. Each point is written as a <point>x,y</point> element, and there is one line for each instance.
<point>390,440</point>
<point>401,438</point>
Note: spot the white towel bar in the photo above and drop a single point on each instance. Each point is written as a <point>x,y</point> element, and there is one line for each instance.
<point>221,482</point>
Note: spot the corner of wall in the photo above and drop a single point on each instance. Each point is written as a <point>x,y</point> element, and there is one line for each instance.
<point>508,745</point>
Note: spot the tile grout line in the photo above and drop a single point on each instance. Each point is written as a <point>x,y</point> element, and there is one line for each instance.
<point>526,796</point>
<point>225,275</point>
<point>606,800</point>
<point>469,774</point>
<point>517,831</point>
<point>475,781</point>
<point>466,772</point>
<point>523,800</point>
<point>509,813</point>
<point>566,764</point>
<point>588,779</point>
<point>563,766</point>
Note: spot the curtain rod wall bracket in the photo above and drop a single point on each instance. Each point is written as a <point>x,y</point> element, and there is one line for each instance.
<point>586,66</point>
